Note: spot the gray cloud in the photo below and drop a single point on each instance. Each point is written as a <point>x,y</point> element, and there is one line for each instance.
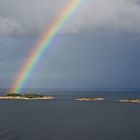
<point>32,16</point>
<point>9,26</point>
<point>112,15</point>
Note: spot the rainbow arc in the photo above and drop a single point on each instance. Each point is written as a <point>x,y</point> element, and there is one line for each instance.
<point>43,44</point>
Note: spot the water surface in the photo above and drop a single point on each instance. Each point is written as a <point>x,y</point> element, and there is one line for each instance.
<point>67,119</point>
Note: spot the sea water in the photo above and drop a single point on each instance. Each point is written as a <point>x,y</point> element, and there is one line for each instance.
<point>67,119</point>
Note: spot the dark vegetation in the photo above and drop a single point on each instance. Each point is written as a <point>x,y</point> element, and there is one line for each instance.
<point>14,95</point>
<point>24,95</point>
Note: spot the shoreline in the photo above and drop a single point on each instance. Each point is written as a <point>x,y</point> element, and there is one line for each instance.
<point>25,98</point>
<point>129,101</point>
<point>90,99</point>
<point>45,97</point>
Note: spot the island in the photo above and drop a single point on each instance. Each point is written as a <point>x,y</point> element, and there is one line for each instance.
<point>26,96</point>
<point>90,99</point>
<point>130,101</point>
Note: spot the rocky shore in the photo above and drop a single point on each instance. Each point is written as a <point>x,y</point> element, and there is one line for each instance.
<point>130,101</point>
<point>91,99</point>
<point>14,96</point>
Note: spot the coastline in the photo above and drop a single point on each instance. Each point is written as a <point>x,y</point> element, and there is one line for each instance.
<point>25,98</point>
<point>90,99</point>
<point>130,101</point>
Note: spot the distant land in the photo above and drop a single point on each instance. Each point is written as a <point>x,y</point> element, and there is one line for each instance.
<point>129,101</point>
<point>34,96</point>
<point>90,99</point>
<point>26,96</point>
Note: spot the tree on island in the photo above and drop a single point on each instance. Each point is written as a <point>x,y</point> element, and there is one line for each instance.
<point>14,95</point>
<point>24,95</point>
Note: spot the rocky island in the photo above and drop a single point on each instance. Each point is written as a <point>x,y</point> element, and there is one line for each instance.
<point>15,96</point>
<point>130,101</point>
<point>90,99</point>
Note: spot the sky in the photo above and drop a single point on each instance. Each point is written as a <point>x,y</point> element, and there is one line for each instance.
<point>97,49</point>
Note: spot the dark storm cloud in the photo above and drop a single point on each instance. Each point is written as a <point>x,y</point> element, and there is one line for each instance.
<point>92,62</point>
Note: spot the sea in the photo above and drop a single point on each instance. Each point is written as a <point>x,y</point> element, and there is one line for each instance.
<point>67,119</point>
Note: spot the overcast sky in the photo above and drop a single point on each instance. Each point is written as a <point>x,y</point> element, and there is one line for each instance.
<point>98,48</point>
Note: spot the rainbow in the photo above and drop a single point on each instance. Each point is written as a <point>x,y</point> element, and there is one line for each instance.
<point>43,44</point>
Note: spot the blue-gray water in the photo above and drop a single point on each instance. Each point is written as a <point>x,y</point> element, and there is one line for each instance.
<point>67,119</point>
